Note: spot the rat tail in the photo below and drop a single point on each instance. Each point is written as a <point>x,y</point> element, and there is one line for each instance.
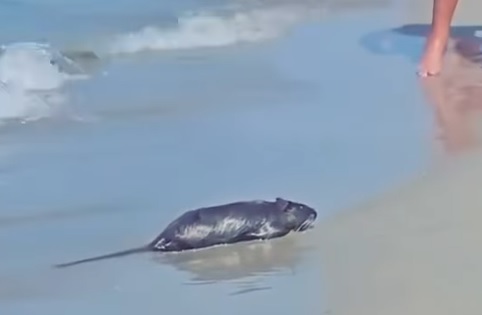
<point>112,255</point>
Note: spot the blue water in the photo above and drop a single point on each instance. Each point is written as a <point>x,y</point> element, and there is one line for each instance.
<point>248,100</point>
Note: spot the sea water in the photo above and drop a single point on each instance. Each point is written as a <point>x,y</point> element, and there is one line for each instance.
<point>115,117</point>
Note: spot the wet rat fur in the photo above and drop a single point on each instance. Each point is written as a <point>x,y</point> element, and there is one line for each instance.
<point>225,224</point>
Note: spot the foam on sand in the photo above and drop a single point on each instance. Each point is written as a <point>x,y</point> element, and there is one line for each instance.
<point>414,251</point>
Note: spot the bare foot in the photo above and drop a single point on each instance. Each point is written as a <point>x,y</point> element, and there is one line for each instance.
<point>432,58</point>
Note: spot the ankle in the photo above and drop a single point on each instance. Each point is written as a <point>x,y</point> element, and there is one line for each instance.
<point>438,38</point>
<point>435,45</point>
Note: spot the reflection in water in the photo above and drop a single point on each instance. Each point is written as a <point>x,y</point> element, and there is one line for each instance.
<point>456,94</point>
<point>246,263</point>
<point>456,97</point>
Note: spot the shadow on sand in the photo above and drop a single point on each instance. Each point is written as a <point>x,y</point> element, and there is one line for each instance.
<point>407,40</point>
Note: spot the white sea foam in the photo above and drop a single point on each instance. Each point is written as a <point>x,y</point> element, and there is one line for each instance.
<point>16,103</point>
<point>212,30</point>
<point>31,75</point>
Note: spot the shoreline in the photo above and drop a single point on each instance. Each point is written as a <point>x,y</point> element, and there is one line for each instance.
<point>410,251</point>
<point>315,156</point>
<point>413,250</point>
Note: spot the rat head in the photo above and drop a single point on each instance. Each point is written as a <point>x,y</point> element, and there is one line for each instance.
<point>299,217</point>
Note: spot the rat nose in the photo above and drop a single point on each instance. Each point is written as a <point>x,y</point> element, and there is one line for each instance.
<point>307,223</point>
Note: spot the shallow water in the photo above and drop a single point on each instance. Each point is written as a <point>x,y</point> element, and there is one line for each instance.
<point>246,112</point>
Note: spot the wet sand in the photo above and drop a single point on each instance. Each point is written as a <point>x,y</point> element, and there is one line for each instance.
<point>169,134</point>
<point>415,250</point>
<point>315,116</point>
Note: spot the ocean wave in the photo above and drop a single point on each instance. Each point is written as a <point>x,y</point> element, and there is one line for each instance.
<point>203,30</point>
<point>31,76</point>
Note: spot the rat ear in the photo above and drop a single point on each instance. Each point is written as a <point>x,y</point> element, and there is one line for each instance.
<point>282,204</point>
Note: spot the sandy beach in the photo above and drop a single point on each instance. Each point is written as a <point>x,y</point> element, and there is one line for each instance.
<point>194,103</point>
<point>412,251</point>
<point>415,249</point>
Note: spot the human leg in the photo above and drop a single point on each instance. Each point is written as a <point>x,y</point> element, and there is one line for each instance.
<point>432,59</point>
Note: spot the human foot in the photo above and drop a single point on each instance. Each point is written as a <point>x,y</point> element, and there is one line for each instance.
<point>432,58</point>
